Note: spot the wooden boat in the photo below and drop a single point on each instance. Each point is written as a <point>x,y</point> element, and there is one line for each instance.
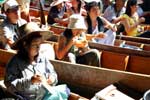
<point>121,58</point>
<point>87,80</point>
<point>4,93</point>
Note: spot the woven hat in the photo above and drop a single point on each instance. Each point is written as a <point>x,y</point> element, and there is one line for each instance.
<point>10,4</point>
<point>76,21</point>
<point>30,29</point>
<point>56,2</point>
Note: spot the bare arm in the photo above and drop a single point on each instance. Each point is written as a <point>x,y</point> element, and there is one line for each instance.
<point>109,25</point>
<point>63,48</point>
<point>129,27</point>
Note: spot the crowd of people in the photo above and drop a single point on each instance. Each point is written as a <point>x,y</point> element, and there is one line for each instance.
<point>29,74</point>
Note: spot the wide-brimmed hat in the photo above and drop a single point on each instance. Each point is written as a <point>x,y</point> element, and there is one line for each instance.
<point>56,2</point>
<point>10,4</point>
<point>30,29</point>
<point>76,21</point>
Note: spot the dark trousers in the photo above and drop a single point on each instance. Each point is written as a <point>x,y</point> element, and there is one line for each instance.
<point>91,57</point>
<point>145,34</point>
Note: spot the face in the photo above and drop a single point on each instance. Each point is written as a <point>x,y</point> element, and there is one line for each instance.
<point>13,14</point>
<point>59,6</point>
<point>94,11</point>
<point>119,3</point>
<point>134,8</point>
<point>74,2</point>
<point>76,32</point>
<point>34,47</point>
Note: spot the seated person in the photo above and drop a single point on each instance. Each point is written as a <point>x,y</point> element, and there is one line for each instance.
<point>57,13</point>
<point>29,74</point>
<point>9,27</point>
<point>96,25</point>
<point>131,20</point>
<point>113,11</point>
<point>73,46</point>
<point>77,7</point>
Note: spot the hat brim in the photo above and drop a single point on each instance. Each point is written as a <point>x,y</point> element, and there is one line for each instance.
<point>54,3</point>
<point>45,35</point>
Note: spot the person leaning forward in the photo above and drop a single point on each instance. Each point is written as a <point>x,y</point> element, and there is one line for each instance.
<point>29,74</point>
<point>73,46</point>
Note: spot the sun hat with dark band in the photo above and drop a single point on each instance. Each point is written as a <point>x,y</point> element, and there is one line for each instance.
<point>30,29</point>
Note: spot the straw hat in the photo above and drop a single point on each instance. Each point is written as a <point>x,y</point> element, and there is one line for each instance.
<point>56,2</point>
<point>28,30</point>
<point>76,21</point>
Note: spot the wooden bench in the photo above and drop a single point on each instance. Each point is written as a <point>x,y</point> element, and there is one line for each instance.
<point>139,64</point>
<point>6,56</point>
<point>113,60</point>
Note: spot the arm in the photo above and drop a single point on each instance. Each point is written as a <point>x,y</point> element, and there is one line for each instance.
<point>128,26</point>
<point>63,48</point>
<point>52,75</point>
<point>14,79</point>
<point>109,25</point>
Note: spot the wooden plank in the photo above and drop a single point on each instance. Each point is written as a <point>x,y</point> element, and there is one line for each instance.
<point>94,78</point>
<point>119,49</point>
<point>113,60</point>
<point>134,39</point>
<point>139,64</point>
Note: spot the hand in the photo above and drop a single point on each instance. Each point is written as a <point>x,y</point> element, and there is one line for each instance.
<point>38,78</point>
<point>100,35</point>
<point>81,43</point>
<point>141,20</point>
<point>35,79</point>
<point>50,79</point>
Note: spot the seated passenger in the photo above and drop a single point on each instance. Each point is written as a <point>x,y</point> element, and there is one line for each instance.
<point>77,7</point>
<point>57,13</point>
<point>131,20</point>
<point>96,25</point>
<point>29,74</point>
<point>113,11</point>
<point>73,46</point>
<point>9,27</point>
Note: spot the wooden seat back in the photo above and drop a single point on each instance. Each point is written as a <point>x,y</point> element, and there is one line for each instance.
<point>139,64</point>
<point>146,47</point>
<point>114,60</point>
<point>5,57</point>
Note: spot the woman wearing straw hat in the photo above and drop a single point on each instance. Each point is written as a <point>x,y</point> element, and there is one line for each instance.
<point>28,73</point>
<point>57,12</point>
<point>73,46</point>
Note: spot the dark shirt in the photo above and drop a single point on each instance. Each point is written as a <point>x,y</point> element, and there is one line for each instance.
<point>55,13</point>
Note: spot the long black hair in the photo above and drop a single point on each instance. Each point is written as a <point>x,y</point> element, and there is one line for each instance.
<point>79,6</point>
<point>88,19</point>
<point>24,45</point>
<point>128,7</point>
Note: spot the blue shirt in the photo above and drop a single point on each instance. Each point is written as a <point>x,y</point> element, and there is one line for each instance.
<point>19,73</point>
